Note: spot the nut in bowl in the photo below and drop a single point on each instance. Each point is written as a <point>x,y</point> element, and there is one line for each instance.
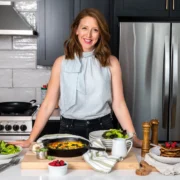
<point>57,168</point>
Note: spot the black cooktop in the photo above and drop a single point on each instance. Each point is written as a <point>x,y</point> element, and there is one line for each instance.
<point>29,112</point>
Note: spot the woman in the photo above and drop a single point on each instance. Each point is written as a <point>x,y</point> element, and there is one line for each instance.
<point>88,81</point>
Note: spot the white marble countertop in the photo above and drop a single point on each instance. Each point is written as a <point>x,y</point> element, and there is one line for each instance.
<point>54,116</point>
<point>16,173</point>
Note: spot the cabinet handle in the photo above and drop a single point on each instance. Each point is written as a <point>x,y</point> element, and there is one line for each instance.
<point>167,4</point>
<point>173,5</point>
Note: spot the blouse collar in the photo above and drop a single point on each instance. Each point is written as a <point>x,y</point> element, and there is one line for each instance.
<point>88,54</point>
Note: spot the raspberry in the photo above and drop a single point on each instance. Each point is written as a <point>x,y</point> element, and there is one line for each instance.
<point>167,144</point>
<point>173,144</point>
<point>61,162</point>
<point>57,163</point>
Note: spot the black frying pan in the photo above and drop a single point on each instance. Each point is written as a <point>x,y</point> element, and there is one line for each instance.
<point>72,152</point>
<point>16,107</point>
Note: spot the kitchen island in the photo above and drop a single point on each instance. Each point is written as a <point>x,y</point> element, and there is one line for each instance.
<point>16,173</point>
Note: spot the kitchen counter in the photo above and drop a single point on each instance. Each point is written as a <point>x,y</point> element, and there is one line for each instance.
<point>16,173</point>
<point>54,116</point>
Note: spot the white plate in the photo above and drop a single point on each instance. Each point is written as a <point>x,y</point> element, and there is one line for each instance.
<point>96,134</point>
<point>107,142</point>
<point>8,156</point>
<point>155,153</point>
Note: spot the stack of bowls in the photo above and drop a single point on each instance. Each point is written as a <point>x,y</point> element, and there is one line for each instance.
<point>107,142</point>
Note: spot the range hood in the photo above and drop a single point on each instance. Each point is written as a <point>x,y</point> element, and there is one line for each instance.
<point>11,22</point>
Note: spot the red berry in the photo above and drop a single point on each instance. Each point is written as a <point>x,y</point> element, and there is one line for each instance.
<point>61,162</point>
<point>168,145</point>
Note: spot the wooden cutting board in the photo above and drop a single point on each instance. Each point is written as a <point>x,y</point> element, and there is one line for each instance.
<point>31,162</point>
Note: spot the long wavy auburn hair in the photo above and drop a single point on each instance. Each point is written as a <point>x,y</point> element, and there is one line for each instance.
<point>101,50</point>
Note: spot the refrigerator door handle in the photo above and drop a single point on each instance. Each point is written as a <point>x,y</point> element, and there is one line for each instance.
<point>166,82</point>
<point>174,82</point>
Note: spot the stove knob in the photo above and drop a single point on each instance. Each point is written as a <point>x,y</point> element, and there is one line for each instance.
<point>1,127</point>
<point>15,127</point>
<point>8,127</point>
<point>23,127</point>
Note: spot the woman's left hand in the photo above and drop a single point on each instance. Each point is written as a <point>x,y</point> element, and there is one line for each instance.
<point>137,142</point>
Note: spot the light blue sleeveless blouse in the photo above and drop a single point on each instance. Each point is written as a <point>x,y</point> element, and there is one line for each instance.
<point>85,88</point>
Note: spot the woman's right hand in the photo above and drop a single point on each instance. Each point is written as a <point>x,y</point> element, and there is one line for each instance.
<point>22,143</point>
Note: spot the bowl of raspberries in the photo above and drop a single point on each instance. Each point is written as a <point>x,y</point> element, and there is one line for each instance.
<point>57,168</point>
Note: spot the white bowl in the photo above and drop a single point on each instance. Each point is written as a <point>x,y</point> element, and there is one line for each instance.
<point>58,170</point>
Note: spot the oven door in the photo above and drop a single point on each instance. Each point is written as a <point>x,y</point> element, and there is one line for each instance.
<point>13,137</point>
<point>52,127</point>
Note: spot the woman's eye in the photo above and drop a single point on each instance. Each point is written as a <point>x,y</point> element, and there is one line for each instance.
<point>96,30</point>
<point>84,28</point>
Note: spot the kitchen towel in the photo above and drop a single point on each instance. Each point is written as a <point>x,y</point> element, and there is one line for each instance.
<point>100,160</point>
<point>166,169</point>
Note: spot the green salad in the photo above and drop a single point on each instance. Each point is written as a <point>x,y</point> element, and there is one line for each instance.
<point>6,148</point>
<point>115,133</point>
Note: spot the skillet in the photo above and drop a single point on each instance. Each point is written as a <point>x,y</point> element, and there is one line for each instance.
<point>16,107</point>
<point>71,152</point>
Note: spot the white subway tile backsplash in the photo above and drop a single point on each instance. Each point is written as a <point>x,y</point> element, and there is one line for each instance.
<point>30,77</point>
<point>20,80</point>
<point>38,95</point>
<point>24,43</point>
<point>26,5</point>
<point>17,94</point>
<point>17,59</point>
<point>5,78</point>
<point>30,17</point>
<point>5,42</point>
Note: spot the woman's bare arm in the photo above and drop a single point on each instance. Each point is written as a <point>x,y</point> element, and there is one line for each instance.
<point>118,102</point>
<point>48,105</point>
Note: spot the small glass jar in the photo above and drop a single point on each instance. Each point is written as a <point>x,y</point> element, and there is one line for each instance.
<point>41,154</point>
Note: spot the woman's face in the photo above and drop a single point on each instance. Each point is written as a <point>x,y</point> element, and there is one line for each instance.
<point>88,33</point>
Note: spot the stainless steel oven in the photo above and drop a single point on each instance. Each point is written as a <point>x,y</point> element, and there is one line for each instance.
<point>16,126</point>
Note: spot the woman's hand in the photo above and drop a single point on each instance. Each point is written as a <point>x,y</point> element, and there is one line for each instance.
<point>24,143</point>
<point>137,142</point>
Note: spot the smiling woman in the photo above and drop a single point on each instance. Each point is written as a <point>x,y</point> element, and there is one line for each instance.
<point>87,78</point>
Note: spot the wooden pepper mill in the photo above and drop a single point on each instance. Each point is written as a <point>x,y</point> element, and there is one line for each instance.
<point>147,126</point>
<point>154,129</point>
<point>146,141</point>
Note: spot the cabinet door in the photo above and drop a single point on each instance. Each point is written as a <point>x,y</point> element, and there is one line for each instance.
<point>102,5</point>
<point>174,8</point>
<point>142,7</point>
<point>54,18</point>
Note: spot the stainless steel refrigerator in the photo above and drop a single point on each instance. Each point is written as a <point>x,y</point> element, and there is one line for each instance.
<point>149,55</point>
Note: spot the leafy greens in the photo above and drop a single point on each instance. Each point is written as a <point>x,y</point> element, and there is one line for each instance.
<point>115,133</point>
<point>6,148</point>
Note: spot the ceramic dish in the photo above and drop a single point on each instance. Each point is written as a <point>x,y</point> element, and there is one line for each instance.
<point>8,156</point>
<point>106,142</point>
<point>58,170</point>
<point>155,153</point>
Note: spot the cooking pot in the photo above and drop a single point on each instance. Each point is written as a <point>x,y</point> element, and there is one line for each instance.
<point>16,107</point>
<point>70,152</point>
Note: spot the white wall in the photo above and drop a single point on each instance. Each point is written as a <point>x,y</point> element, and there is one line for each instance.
<point>20,78</point>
